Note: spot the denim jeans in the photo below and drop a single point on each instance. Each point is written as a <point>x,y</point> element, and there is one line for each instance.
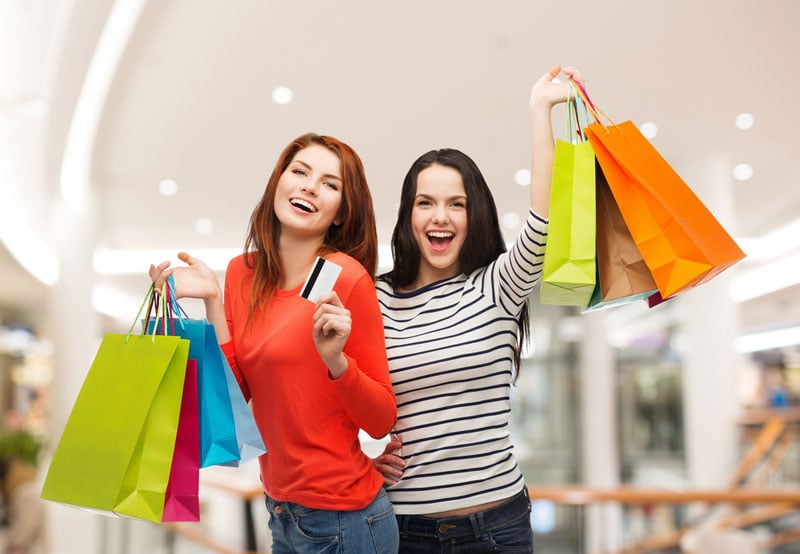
<point>299,530</point>
<point>504,528</point>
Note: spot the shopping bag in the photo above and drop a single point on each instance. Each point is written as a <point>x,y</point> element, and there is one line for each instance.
<point>181,502</point>
<point>219,448</point>
<point>115,453</point>
<point>248,437</point>
<point>569,272</point>
<point>218,443</point>
<point>680,240</point>
<point>623,276</point>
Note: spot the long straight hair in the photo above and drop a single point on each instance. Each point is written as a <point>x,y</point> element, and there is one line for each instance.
<point>484,241</point>
<point>355,235</point>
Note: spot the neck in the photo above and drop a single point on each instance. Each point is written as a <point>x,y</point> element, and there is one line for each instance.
<point>426,276</point>
<point>297,256</point>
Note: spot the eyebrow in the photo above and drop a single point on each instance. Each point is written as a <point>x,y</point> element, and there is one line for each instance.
<point>456,197</point>
<point>326,176</point>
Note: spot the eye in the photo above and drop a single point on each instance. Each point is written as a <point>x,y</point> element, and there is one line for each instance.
<point>423,202</point>
<point>459,204</point>
<point>330,185</point>
<point>299,172</point>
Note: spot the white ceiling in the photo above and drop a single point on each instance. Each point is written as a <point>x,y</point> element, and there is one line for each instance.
<point>191,100</point>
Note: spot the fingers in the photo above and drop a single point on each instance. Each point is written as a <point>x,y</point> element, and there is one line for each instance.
<point>186,258</point>
<point>573,74</point>
<point>331,298</point>
<point>391,467</point>
<point>553,72</point>
<point>393,446</point>
<point>159,273</point>
<point>331,316</point>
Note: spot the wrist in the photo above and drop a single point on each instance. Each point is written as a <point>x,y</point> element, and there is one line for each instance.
<point>542,106</point>
<point>337,367</point>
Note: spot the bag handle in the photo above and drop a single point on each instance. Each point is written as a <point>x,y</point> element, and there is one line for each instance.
<point>581,115</point>
<point>166,309</point>
<point>593,109</point>
<point>578,112</point>
<point>570,111</point>
<point>174,306</point>
<point>152,297</point>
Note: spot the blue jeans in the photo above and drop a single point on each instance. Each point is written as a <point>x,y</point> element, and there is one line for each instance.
<point>299,530</point>
<point>504,528</point>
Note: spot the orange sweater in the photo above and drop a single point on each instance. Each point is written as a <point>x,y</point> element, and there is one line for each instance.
<point>309,422</point>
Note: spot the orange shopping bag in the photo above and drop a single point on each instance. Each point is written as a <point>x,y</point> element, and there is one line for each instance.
<point>681,241</point>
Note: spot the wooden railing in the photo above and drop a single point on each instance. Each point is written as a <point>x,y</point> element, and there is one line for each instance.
<point>746,493</point>
<point>773,504</point>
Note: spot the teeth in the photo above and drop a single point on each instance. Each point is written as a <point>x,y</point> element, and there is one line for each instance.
<point>303,205</point>
<point>440,234</point>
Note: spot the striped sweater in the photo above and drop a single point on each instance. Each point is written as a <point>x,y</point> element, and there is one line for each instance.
<point>450,348</point>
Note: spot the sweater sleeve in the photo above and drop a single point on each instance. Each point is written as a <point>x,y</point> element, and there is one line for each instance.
<point>511,278</point>
<point>365,388</point>
<point>229,348</point>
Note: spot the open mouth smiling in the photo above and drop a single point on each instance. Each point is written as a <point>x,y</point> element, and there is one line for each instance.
<point>301,204</point>
<point>440,238</point>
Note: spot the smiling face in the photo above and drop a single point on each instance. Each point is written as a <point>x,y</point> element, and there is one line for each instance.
<point>309,193</point>
<point>439,222</point>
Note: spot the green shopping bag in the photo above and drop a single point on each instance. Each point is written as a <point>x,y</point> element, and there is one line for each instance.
<point>569,272</point>
<point>115,453</point>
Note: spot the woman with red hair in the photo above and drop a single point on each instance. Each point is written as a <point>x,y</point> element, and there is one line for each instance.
<point>315,372</point>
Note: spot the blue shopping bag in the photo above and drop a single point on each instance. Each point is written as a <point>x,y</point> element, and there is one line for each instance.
<point>218,444</point>
<point>248,437</point>
<point>248,444</point>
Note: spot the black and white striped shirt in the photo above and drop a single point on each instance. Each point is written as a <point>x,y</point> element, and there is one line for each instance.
<point>450,347</point>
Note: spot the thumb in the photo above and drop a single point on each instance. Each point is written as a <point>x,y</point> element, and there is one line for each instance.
<point>186,258</point>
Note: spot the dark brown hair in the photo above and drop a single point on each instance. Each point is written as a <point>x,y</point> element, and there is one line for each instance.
<point>484,241</point>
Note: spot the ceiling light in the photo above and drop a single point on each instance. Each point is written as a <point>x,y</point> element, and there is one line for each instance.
<point>744,121</point>
<point>203,226</point>
<point>649,129</point>
<point>132,262</point>
<point>91,102</point>
<point>742,172</point>
<point>767,340</point>
<point>780,274</point>
<point>773,244</point>
<point>511,220</point>
<point>32,252</point>
<point>113,303</point>
<point>522,177</point>
<point>282,95</point>
<point>168,187</point>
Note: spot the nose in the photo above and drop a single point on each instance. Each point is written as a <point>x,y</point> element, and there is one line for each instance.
<point>440,215</point>
<point>310,187</point>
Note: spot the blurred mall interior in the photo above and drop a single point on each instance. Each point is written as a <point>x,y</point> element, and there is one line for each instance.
<point>132,129</point>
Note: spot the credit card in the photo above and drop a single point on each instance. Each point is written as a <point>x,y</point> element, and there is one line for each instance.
<point>320,279</point>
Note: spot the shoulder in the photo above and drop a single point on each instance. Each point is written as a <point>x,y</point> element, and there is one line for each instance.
<point>351,268</point>
<point>353,274</point>
<point>237,265</point>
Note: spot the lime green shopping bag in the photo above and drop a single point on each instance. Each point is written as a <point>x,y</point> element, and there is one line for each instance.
<point>569,274</point>
<point>115,453</point>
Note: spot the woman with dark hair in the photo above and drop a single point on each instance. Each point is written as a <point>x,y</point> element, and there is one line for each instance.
<point>455,318</point>
<point>315,372</point>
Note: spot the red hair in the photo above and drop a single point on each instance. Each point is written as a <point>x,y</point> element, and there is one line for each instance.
<point>355,235</point>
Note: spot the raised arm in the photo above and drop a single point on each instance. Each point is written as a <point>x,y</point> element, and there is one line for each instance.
<point>545,94</point>
<point>196,280</point>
